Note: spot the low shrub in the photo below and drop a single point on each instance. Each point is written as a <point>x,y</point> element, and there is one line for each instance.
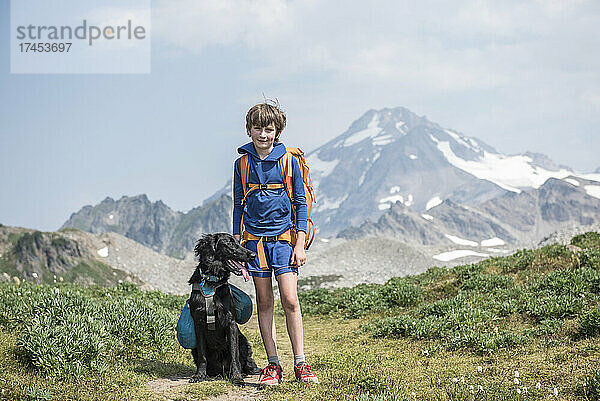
<point>589,239</point>
<point>364,298</point>
<point>66,331</point>
<point>589,389</point>
<point>398,291</point>
<point>488,282</point>
<point>590,258</point>
<point>589,323</point>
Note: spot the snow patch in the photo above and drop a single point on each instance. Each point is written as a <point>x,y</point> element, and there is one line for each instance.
<point>321,167</point>
<point>392,199</point>
<point>111,217</point>
<point>496,250</point>
<point>397,198</point>
<point>433,202</point>
<point>412,157</point>
<point>427,216</point>
<point>326,204</point>
<point>383,140</point>
<point>572,181</point>
<point>461,241</point>
<point>589,176</point>
<point>458,139</point>
<point>103,252</point>
<point>593,190</point>
<point>508,172</point>
<point>394,189</point>
<point>362,178</point>
<point>371,131</point>
<point>376,157</point>
<point>399,127</point>
<point>459,253</point>
<point>384,206</point>
<point>492,242</point>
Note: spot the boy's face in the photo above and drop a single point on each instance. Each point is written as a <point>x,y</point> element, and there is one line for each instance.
<point>263,137</point>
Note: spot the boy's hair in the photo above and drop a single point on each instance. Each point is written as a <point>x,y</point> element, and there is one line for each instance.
<point>264,114</point>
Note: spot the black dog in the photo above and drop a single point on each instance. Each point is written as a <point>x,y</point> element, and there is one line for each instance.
<point>222,350</point>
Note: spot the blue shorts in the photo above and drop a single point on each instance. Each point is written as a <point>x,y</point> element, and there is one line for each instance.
<point>278,254</point>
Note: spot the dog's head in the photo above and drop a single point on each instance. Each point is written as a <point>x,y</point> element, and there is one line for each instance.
<point>220,254</point>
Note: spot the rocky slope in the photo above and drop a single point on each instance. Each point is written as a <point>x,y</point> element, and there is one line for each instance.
<point>154,224</point>
<point>47,257</point>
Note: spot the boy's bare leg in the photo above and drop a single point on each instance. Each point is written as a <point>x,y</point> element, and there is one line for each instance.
<point>288,292</point>
<point>265,305</point>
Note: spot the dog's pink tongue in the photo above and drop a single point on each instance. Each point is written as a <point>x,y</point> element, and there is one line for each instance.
<point>245,273</point>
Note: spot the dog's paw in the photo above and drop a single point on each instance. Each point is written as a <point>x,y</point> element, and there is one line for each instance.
<point>238,380</point>
<point>198,378</point>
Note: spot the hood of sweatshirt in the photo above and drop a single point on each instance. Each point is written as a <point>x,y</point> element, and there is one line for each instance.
<point>276,153</point>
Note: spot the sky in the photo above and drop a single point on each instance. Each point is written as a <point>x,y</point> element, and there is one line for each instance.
<point>519,75</point>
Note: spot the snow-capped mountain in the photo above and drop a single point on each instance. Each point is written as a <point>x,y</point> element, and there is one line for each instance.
<point>393,155</point>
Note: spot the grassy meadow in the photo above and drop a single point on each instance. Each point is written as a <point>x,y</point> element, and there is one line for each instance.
<point>521,327</point>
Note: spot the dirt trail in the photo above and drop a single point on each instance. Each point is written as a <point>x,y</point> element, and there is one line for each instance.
<point>164,387</point>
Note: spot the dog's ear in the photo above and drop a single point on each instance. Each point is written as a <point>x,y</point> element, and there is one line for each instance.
<point>205,246</point>
<point>217,243</point>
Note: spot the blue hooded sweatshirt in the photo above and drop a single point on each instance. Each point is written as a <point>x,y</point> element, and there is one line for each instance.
<point>267,212</point>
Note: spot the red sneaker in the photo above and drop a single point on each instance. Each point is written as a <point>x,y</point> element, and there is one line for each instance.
<point>304,373</point>
<point>270,375</point>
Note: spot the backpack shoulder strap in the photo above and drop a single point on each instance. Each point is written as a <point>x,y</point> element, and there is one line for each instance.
<point>286,171</point>
<point>244,172</point>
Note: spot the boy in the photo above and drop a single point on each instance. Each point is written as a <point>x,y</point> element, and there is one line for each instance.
<point>267,221</point>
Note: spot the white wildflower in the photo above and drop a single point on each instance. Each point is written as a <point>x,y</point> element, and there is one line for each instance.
<point>517,381</point>
<point>538,385</point>
<point>555,392</point>
<point>479,369</point>
<point>471,389</point>
<point>479,388</point>
<point>516,373</point>
<point>34,275</point>
<point>518,390</point>
<point>524,390</point>
<point>462,379</point>
<point>454,380</point>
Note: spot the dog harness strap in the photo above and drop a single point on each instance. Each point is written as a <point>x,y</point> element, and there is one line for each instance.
<point>210,312</point>
<point>207,289</point>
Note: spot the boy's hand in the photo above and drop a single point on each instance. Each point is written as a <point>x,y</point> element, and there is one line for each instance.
<point>298,254</point>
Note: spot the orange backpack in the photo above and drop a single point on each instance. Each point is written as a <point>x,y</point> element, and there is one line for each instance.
<point>286,169</point>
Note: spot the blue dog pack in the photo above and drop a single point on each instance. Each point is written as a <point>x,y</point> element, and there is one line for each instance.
<point>186,334</point>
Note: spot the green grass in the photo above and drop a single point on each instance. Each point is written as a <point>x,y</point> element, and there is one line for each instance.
<point>513,328</point>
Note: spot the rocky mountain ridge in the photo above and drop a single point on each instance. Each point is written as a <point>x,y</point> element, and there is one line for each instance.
<point>154,224</point>
<point>515,219</point>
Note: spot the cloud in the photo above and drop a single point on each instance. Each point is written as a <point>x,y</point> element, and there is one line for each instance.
<point>430,45</point>
<point>194,25</point>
